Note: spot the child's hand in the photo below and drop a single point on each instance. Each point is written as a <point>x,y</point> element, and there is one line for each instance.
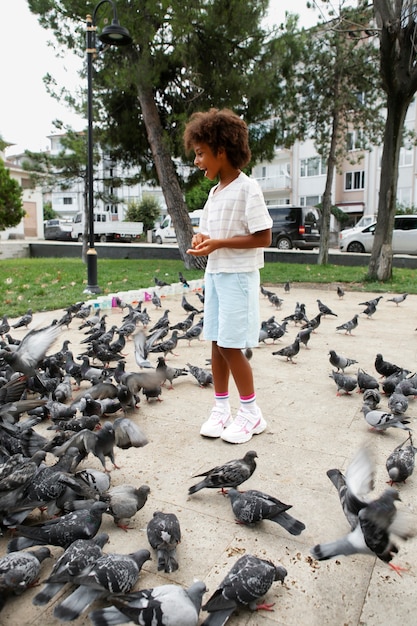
<point>197,243</point>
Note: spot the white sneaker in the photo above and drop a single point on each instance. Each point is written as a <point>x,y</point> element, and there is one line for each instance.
<point>216,423</point>
<point>244,426</point>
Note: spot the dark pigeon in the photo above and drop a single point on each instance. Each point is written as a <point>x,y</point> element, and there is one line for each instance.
<point>164,534</point>
<point>401,461</point>
<point>230,474</point>
<point>248,580</point>
<point>252,506</point>
<point>20,570</point>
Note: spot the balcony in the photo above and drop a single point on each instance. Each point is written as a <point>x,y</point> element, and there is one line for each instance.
<point>275,183</point>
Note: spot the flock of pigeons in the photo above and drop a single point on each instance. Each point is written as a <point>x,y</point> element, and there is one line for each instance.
<point>39,386</point>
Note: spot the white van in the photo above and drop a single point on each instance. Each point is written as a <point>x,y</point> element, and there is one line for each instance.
<point>166,232</point>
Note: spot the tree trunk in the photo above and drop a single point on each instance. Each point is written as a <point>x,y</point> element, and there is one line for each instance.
<point>326,205</point>
<point>380,264</point>
<point>168,177</point>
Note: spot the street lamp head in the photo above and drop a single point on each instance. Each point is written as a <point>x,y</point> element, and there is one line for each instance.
<point>115,35</point>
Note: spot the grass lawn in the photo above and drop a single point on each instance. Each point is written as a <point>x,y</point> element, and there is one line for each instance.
<point>47,284</point>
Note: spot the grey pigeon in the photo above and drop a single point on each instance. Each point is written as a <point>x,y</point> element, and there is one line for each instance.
<point>289,351</point>
<point>170,373</point>
<point>349,326</point>
<point>373,301</point>
<point>202,375</point>
<point>141,353</point>
<point>77,557</point>
<point>60,531</point>
<point>188,308</point>
<point>20,570</point>
<point>249,579</point>
<point>370,310</point>
<point>156,300</point>
<point>390,384</point>
<point>194,332</point>
<point>339,361</point>
<point>230,474</point>
<point>379,519</point>
<point>400,463</point>
<point>398,299</point>
<point>324,309</point>
<point>31,350</point>
<point>340,291</point>
<point>366,381</point>
<point>25,320</point>
<point>111,573</point>
<point>398,403</point>
<point>381,420</point>
<point>344,382</point>
<point>164,535</point>
<point>355,485</point>
<point>166,605</point>
<point>184,324</point>
<point>304,335</point>
<point>407,387</point>
<point>252,506</point>
<point>100,443</point>
<point>372,398</point>
<point>124,501</point>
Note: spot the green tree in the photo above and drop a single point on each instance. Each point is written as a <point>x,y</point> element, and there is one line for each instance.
<point>48,212</point>
<point>396,28</point>
<point>185,56</point>
<point>196,195</point>
<point>11,205</point>
<point>147,211</point>
<point>339,91</point>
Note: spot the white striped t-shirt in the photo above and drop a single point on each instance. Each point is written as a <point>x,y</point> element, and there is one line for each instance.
<point>238,209</point>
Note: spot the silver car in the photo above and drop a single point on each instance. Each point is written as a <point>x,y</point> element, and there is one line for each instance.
<point>404,237</point>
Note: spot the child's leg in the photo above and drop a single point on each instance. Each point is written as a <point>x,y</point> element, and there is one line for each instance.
<point>220,415</point>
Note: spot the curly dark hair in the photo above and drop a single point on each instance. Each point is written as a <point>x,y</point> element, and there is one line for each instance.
<point>219,128</point>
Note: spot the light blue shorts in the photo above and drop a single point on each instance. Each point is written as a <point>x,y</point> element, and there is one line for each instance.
<point>231,309</point>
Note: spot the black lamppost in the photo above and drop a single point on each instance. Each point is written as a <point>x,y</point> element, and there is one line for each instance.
<point>114,35</point>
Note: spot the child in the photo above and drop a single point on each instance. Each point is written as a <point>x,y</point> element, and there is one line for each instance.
<point>235,227</point>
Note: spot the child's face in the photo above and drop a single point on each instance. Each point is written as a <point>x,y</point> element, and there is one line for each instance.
<point>206,161</point>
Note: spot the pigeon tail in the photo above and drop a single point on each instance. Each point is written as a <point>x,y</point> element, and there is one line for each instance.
<point>167,561</point>
<point>218,618</point>
<point>49,590</point>
<point>77,602</point>
<point>109,616</point>
<point>324,551</point>
<point>292,525</point>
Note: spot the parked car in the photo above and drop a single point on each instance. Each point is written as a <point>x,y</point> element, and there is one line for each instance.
<point>404,237</point>
<point>57,229</point>
<point>366,220</point>
<point>166,231</point>
<point>295,227</point>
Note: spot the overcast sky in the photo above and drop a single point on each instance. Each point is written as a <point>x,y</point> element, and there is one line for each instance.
<point>26,110</point>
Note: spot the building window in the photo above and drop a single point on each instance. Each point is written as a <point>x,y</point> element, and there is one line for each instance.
<point>354,180</point>
<point>406,157</point>
<point>67,201</point>
<point>354,140</point>
<point>310,200</point>
<point>314,166</point>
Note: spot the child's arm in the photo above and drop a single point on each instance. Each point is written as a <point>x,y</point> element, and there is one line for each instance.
<point>203,246</point>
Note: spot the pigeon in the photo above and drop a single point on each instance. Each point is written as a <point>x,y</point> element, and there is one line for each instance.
<point>381,420</point>
<point>313,323</point>
<point>156,300</point>
<point>370,310</point>
<point>170,373</point>
<point>265,292</point>
<point>100,443</point>
<point>203,376</point>
<point>275,300</point>
<point>355,485</point>
<point>160,283</point>
<point>304,336</point>
<point>252,506</point>
<point>287,287</point>
<point>249,579</point>
<point>4,326</point>
<point>290,351</point>
<point>400,463</point>
<point>60,531</point>
<point>349,326</point>
<point>79,555</point>
<point>194,332</point>
<point>31,350</point>
<point>390,384</point>
<point>141,352</point>
<point>339,361</point>
<point>407,387</point>
<point>378,520</point>
<point>366,381</point>
<point>124,501</point>
<point>164,534</point>
<point>182,279</point>
<point>398,403</point>
<point>187,306</point>
<point>25,320</point>
<point>324,309</point>
<point>340,291</point>
<point>165,605</point>
<point>167,346</point>
<point>372,398</point>
<point>344,382</point>
<point>385,368</point>
<point>111,573</point>
<point>372,302</point>
<point>230,474</point>
<point>398,299</point>
<point>20,570</point>
<point>184,324</point>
